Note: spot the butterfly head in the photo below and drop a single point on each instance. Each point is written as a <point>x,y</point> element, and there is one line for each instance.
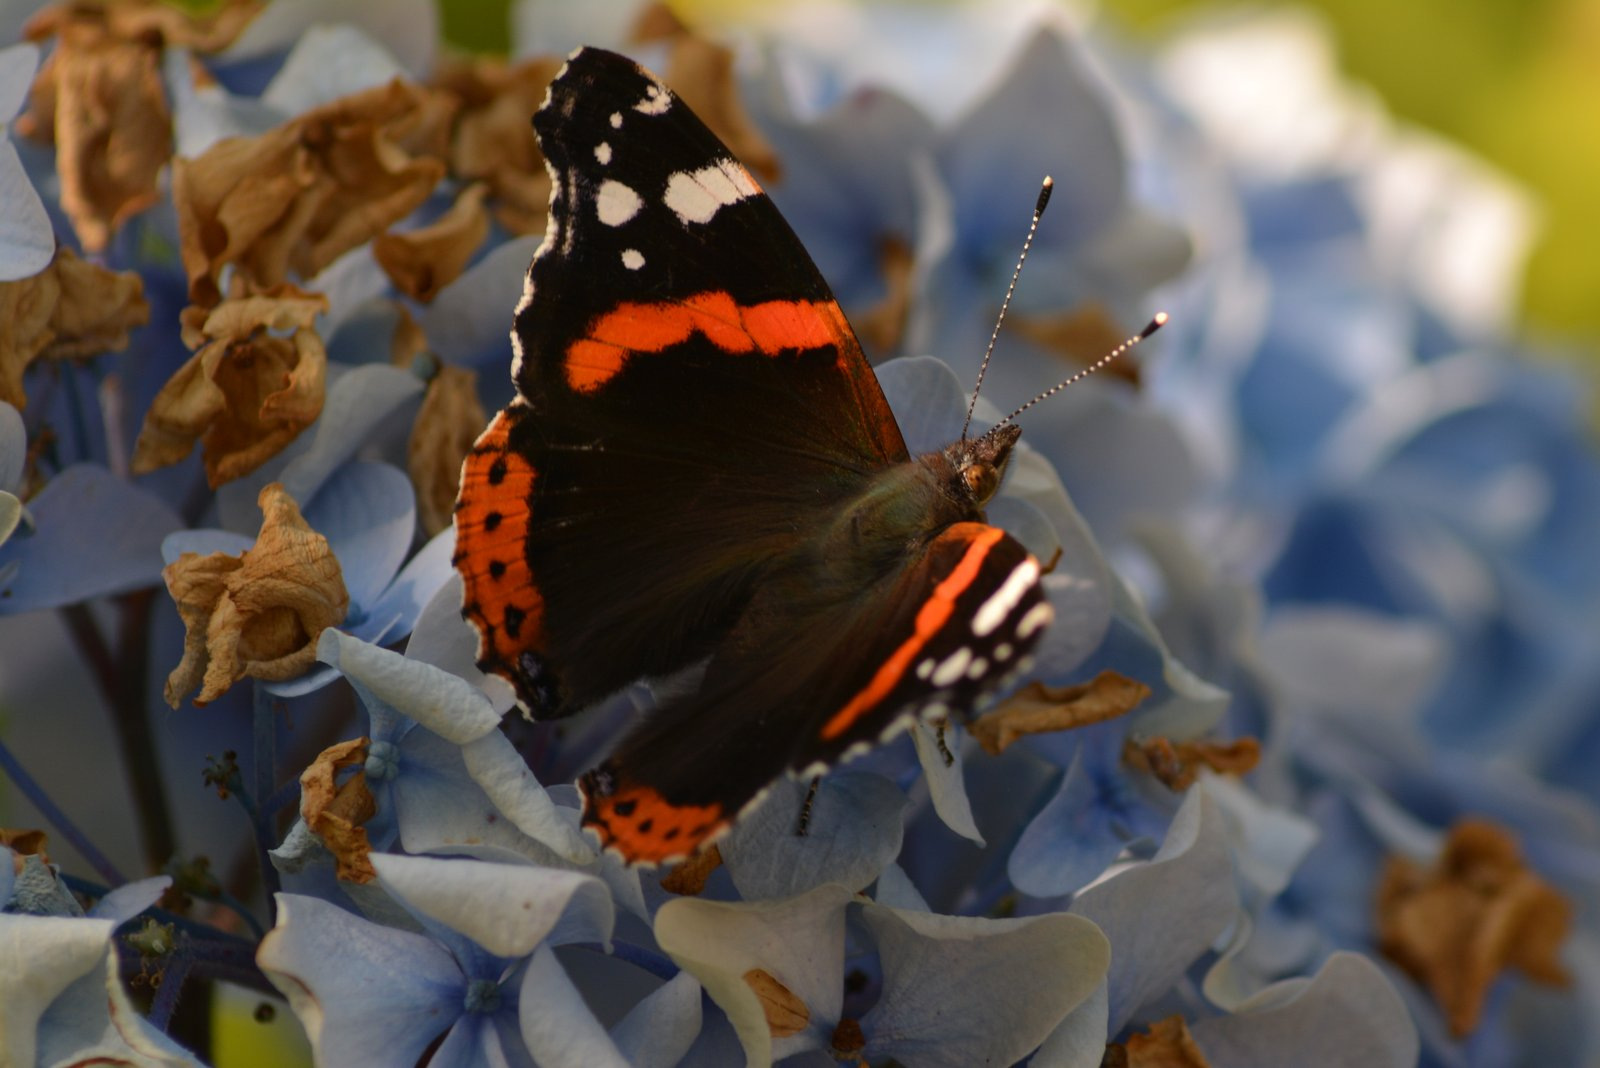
<point>980,462</point>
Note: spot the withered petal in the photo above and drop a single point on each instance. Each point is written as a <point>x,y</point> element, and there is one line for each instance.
<point>447,424</point>
<point>258,614</point>
<point>336,812</point>
<point>423,261</point>
<point>1037,708</point>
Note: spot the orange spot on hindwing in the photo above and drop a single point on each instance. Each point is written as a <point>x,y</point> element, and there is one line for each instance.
<point>500,597</point>
<point>636,821</point>
<point>769,328</point>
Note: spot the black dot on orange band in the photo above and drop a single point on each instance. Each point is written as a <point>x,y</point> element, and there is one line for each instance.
<point>670,835</point>
<point>513,620</point>
<point>497,472</point>
<point>492,520</point>
<point>645,825</point>
<point>497,569</point>
<point>625,808</point>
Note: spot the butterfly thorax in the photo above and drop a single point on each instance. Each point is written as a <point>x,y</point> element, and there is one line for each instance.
<point>904,507</point>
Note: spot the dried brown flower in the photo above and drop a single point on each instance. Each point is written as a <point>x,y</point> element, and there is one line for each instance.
<point>99,98</point>
<point>883,325</point>
<point>1178,764</point>
<point>1037,708</point>
<point>1478,910</point>
<point>70,309</point>
<point>257,614</point>
<point>449,421</point>
<point>786,1013</point>
<point>336,811</point>
<point>297,197</point>
<point>423,261</point>
<point>1081,336</point>
<point>492,141</point>
<point>246,392</point>
<point>24,843</point>
<point>1166,1045</point>
<point>689,878</point>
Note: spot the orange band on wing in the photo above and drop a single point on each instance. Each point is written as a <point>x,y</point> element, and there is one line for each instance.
<point>644,826</point>
<point>935,612</point>
<point>769,328</point>
<point>492,514</point>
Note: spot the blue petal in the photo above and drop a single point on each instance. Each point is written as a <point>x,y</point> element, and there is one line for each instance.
<point>1042,119</point>
<point>658,1031</point>
<point>27,240</point>
<point>74,554</point>
<point>326,63</point>
<point>414,587</point>
<point>800,939</point>
<point>508,909</point>
<point>13,448</point>
<point>467,323</point>
<point>557,1025</point>
<point>203,543</point>
<point>947,786</point>
<point>965,990</point>
<point>367,511</point>
<point>1163,914</point>
<point>357,404</point>
<point>855,830</point>
<point>363,992</point>
<point>1347,1015</point>
<point>1070,842</point>
<point>409,29</point>
<point>927,401</point>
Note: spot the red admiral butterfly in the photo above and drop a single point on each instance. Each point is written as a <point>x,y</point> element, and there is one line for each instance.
<point>700,466</point>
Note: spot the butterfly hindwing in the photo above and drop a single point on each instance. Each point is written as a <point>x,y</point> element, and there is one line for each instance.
<point>690,399</point>
<point>931,640</point>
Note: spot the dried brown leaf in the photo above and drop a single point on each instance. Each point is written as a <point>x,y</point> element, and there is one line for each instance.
<point>423,261</point>
<point>24,843</point>
<point>1178,764</point>
<point>336,812</point>
<point>689,878</point>
<point>100,100</point>
<point>1037,708</point>
<point>700,71</point>
<point>297,197</point>
<point>786,1013</point>
<point>1477,911</point>
<point>71,309</point>
<point>884,324</point>
<point>492,141</point>
<point>1166,1045</point>
<point>449,421</point>
<point>247,392</point>
<point>1081,336</point>
<point>257,614</point>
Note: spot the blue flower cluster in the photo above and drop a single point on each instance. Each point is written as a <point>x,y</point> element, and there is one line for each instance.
<point>1301,774</point>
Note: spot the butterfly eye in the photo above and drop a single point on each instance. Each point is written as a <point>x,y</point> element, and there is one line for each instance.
<point>982,480</point>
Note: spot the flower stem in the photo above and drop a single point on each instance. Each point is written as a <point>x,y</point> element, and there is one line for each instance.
<point>265,745</point>
<point>57,818</point>
<point>173,977</point>
<point>122,678</point>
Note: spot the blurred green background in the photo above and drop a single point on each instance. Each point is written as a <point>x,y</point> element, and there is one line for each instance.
<point>1517,80</point>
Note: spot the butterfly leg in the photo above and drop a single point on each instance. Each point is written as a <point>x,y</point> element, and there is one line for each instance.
<point>939,727</point>
<point>804,826</point>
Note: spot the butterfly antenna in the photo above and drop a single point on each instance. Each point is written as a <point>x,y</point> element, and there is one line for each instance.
<point>1038,210</point>
<point>1151,327</point>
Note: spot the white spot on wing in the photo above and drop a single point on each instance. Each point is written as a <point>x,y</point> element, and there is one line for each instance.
<point>1003,651</point>
<point>695,196</point>
<point>656,100</point>
<point>925,668</point>
<point>616,203</point>
<point>616,120</point>
<point>952,667</point>
<point>632,259</point>
<point>602,152</point>
<point>978,669</point>
<point>1037,617</point>
<point>1000,603</point>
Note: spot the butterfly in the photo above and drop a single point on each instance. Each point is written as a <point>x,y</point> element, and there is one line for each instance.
<point>700,468</point>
